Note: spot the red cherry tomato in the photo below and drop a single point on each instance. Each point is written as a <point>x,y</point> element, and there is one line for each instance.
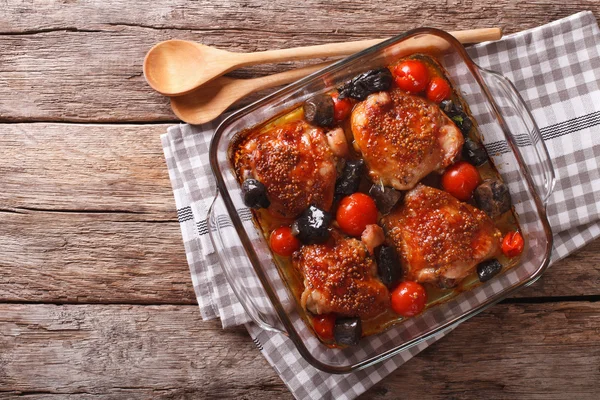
<point>283,242</point>
<point>323,325</point>
<point>356,212</point>
<point>460,179</point>
<point>341,107</point>
<point>438,89</point>
<point>411,75</point>
<point>513,244</point>
<point>408,299</point>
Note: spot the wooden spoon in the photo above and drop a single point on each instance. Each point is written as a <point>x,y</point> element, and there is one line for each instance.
<point>177,67</point>
<point>210,100</point>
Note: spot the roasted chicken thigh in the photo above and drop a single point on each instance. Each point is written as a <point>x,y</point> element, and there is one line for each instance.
<point>340,277</point>
<point>296,165</point>
<point>403,137</point>
<point>439,238</point>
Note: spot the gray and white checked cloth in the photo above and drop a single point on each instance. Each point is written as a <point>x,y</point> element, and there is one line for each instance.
<point>556,69</point>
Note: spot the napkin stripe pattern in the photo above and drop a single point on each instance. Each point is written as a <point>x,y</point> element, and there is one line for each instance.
<point>572,125</point>
<point>556,68</point>
<point>549,132</point>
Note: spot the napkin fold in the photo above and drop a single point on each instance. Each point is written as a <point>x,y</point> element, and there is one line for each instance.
<point>556,69</point>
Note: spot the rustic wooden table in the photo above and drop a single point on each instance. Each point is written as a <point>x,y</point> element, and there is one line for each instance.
<point>95,292</point>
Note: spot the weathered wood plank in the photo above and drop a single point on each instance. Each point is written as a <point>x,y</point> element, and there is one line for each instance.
<point>86,168</point>
<point>112,258</point>
<point>133,253</point>
<point>534,351</point>
<point>69,68</point>
<point>121,258</point>
<point>97,258</point>
<point>129,352</point>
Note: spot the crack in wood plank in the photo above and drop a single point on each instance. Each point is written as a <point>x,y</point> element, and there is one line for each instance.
<point>200,30</point>
<point>50,30</point>
<point>17,210</point>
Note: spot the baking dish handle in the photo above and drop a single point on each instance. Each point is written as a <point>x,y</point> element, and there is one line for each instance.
<point>526,138</point>
<point>243,279</point>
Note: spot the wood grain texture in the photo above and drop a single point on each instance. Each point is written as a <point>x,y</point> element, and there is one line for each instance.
<point>88,216</point>
<point>512,351</point>
<point>128,352</point>
<point>59,257</point>
<point>83,167</point>
<point>81,61</point>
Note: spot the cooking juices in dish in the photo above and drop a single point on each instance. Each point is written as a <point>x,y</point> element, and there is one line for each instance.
<point>377,199</point>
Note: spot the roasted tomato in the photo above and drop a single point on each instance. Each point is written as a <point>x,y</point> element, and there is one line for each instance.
<point>408,299</point>
<point>438,89</point>
<point>323,325</point>
<point>341,107</point>
<point>513,244</point>
<point>411,75</point>
<point>460,180</point>
<point>356,212</point>
<point>283,242</point>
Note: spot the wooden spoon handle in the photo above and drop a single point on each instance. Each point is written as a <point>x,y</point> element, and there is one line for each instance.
<point>209,101</point>
<point>281,78</point>
<point>346,48</point>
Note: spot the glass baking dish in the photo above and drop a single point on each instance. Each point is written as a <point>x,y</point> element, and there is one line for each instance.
<point>513,142</point>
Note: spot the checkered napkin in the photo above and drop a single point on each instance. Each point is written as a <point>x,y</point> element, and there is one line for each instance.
<point>556,69</point>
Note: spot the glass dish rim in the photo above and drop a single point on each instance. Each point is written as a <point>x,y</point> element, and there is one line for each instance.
<point>250,251</point>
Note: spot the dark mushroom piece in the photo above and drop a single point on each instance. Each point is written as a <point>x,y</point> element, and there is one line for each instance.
<point>463,122</point>
<point>385,197</point>
<point>474,152</point>
<point>312,226</point>
<point>447,107</point>
<point>347,331</point>
<point>376,80</point>
<point>456,112</point>
<point>492,196</point>
<point>451,108</point>
<point>388,265</point>
<point>447,283</point>
<point>349,180</point>
<point>319,110</point>
<point>254,194</point>
<point>488,269</point>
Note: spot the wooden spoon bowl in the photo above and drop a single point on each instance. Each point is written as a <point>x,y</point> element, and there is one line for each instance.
<point>176,67</point>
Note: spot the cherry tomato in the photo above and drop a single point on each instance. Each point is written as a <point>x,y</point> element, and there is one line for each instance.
<point>323,325</point>
<point>438,90</point>
<point>356,212</point>
<point>408,299</point>
<point>411,75</point>
<point>341,107</point>
<point>283,242</point>
<point>460,179</point>
<point>513,244</point>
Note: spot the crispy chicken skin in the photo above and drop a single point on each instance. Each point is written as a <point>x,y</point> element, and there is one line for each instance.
<point>296,165</point>
<point>440,239</point>
<point>340,277</point>
<point>403,138</point>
